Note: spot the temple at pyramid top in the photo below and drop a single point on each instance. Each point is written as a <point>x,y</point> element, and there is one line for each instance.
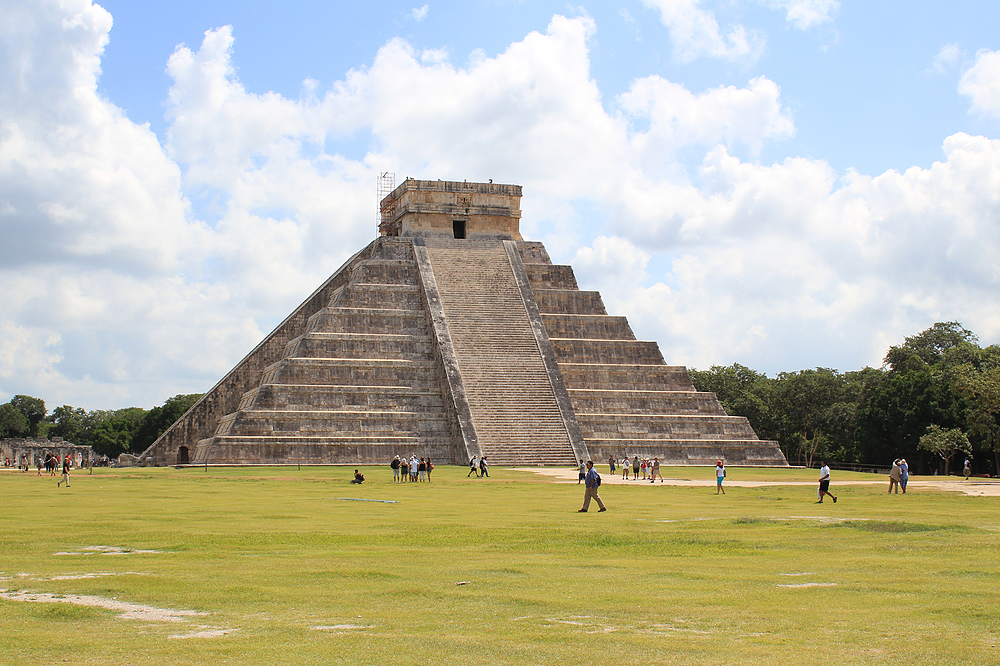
<point>449,209</point>
<point>450,336</point>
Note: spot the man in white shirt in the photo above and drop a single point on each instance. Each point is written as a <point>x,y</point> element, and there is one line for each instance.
<point>824,484</point>
<point>473,466</point>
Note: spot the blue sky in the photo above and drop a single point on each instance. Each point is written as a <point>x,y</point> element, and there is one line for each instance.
<point>781,183</point>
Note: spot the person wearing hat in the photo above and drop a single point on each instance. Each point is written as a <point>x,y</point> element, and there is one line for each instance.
<point>904,474</point>
<point>720,474</point>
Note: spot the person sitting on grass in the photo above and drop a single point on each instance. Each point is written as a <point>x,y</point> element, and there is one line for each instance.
<point>359,478</point>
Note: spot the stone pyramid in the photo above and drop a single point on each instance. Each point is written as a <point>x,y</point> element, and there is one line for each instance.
<point>449,336</point>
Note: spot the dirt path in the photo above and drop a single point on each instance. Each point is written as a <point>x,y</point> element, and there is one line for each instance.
<point>975,486</point>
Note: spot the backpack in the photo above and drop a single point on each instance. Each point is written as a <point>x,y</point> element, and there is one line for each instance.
<point>597,480</point>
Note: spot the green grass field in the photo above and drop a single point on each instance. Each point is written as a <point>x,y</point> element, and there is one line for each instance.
<point>287,573</point>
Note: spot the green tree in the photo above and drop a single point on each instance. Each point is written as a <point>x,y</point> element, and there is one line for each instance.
<point>818,409</point>
<point>945,443</point>
<point>980,384</point>
<point>742,392</point>
<point>12,421</point>
<point>930,346</point>
<point>33,410</point>
<point>158,419</point>
<point>113,436</point>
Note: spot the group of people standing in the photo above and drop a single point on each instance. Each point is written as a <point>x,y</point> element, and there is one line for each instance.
<point>650,469</point>
<point>411,470</point>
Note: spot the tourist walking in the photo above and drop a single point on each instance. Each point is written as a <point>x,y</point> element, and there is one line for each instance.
<point>484,468</point>
<point>473,466</point>
<point>635,468</point>
<point>968,469</point>
<point>65,474</point>
<point>395,465</point>
<point>720,476</point>
<point>593,481</point>
<point>904,474</point>
<point>894,477</point>
<point>583,473</point>
<point>824,484</point>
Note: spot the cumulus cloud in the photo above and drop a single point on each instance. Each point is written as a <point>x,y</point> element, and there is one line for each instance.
<point>118,294</point>
<point>981,83</point>
<point>695,33</point>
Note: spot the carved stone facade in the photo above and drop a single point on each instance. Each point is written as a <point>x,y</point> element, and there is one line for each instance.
<point>448,341</point>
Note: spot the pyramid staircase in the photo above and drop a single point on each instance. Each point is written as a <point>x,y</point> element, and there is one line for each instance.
<point>511,398</point>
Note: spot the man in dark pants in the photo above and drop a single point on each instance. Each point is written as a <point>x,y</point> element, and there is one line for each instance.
<point>593,482</point>
<point>824,484</point>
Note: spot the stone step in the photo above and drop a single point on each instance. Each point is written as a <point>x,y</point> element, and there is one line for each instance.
<point>569,301</point>
<point>350,398</point>
<point>643,402</point>
<point>386,271</point>
<point>380,296</point>
<point>607,351</point>
<point>352,372</point>
<point>591,327</point>
<point>347,450</point>
<point>624,377</point>
<point>664,426</point>
<point>550,276</point>
<point>315,423</point>
<point>368,320</point>
<point>352,345</point>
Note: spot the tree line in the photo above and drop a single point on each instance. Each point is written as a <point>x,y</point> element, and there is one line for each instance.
<point>936,396</point>
<point>109,432</point>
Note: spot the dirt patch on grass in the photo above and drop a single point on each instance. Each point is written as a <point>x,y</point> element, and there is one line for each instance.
<point>128,611</point>
<point>107,550</point>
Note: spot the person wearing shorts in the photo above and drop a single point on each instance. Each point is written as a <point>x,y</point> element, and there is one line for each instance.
<point>635,468</point>
<point>625,468</point>
<point>655,471</point>
<point>720,476</point>
<point>824,484</point>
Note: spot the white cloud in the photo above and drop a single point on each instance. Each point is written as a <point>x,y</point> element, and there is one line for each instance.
<point>419,14</point>
<point>946,58</point>
<point>981,83</point>
<point>806,14</point>
<point>678,118</point>
<point>695,33</point>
